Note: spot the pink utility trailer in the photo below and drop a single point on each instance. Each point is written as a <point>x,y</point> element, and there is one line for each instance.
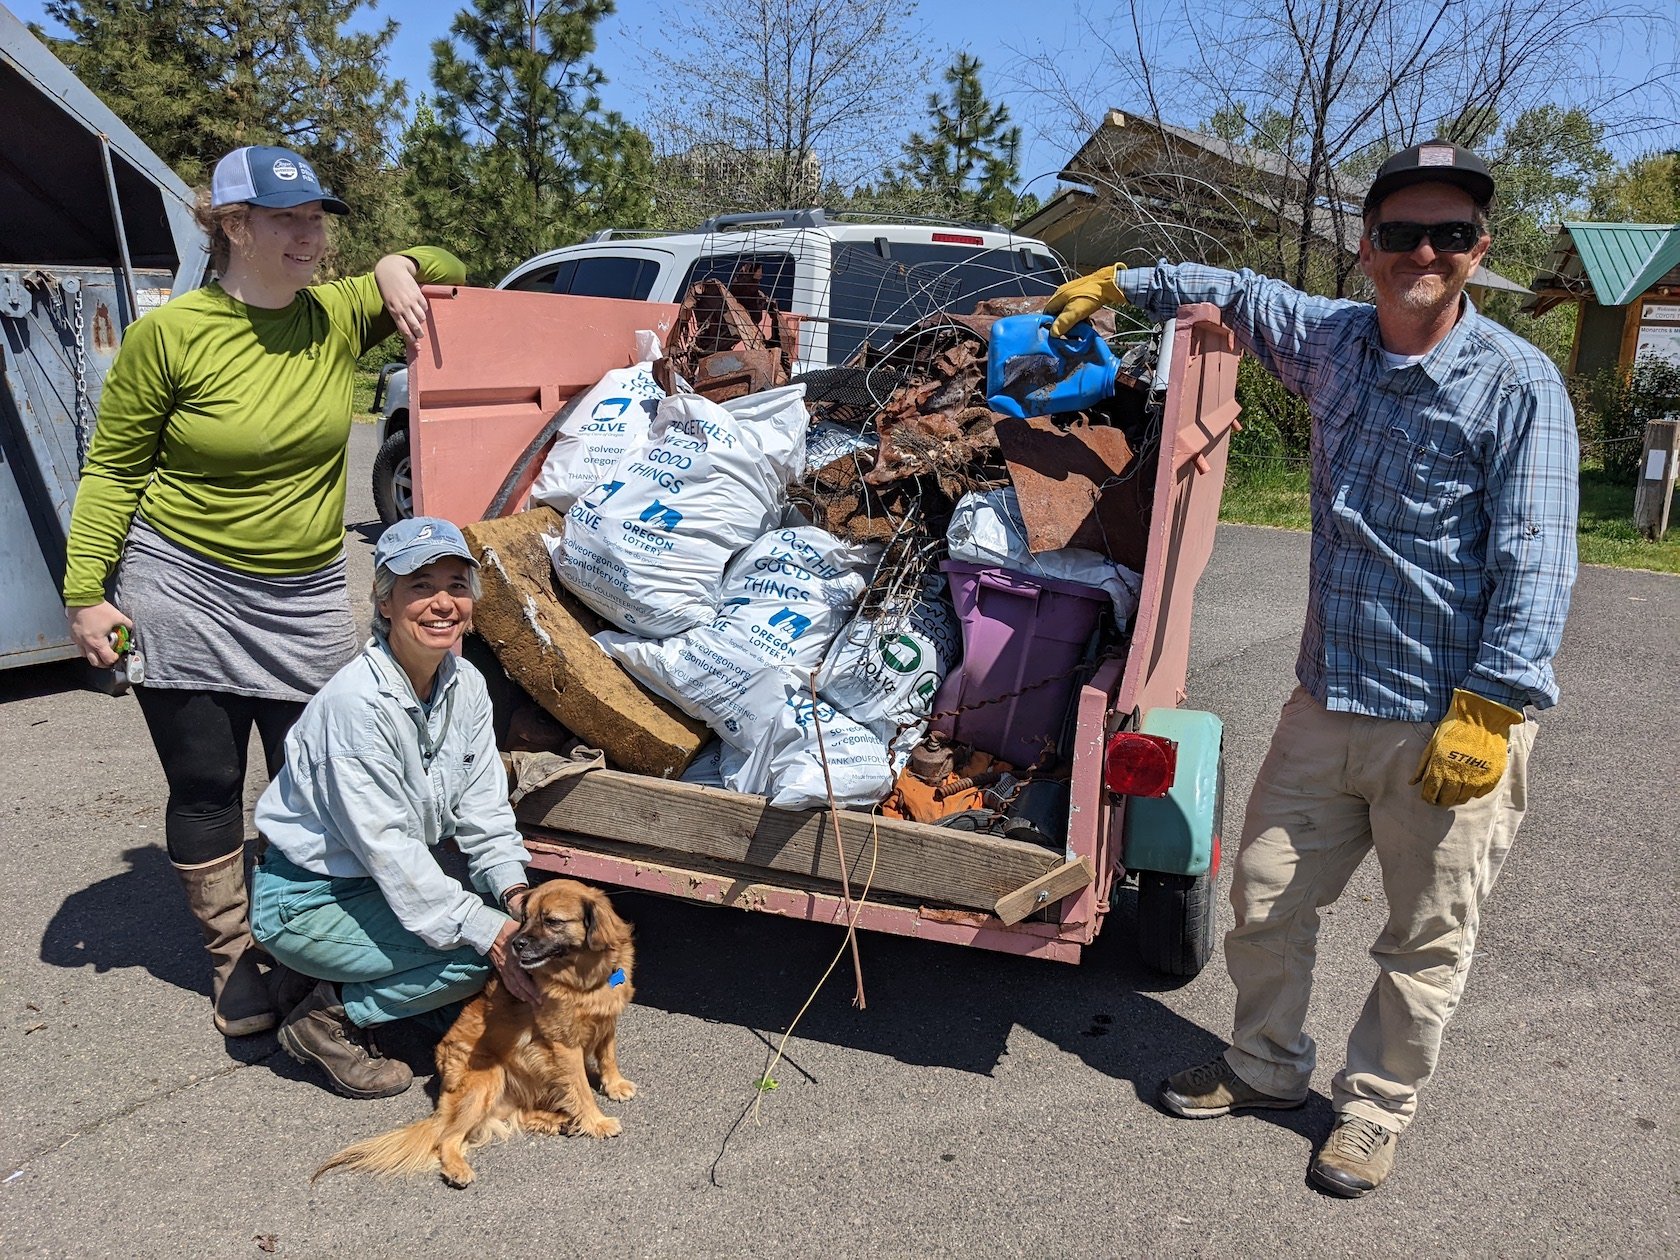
<point>1146,793</point>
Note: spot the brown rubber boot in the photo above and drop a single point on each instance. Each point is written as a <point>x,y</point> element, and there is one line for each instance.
<point>216,894</point>
<point>319,1032</point>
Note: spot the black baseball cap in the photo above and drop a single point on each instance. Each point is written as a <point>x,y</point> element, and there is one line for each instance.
<point>1432,162</point>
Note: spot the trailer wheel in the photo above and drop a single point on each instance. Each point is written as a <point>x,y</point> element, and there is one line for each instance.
<point>1175,913</point>
<point>1175,922</point>
<point>393,480</point>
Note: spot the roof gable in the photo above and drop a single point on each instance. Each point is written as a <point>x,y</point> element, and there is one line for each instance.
<point>1622,260</point>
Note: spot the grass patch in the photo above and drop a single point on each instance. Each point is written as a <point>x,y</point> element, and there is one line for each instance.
<point>1265,492</point>
<point>361,395</point>
<point>1270,492</point>
<point>1606,532</point>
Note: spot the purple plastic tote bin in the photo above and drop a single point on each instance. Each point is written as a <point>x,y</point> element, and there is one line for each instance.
<point>1018,630</point>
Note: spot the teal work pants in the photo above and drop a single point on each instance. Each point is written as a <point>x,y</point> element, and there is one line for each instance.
<point>343,930</point>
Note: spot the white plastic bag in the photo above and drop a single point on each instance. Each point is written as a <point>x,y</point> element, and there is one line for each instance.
<point>827,442</point>
<point>884,670</point>
<point>781,602</point>
<point>787,764</point>
<point>599,426</point>
<point>986,528</point>
<point>647,548</point>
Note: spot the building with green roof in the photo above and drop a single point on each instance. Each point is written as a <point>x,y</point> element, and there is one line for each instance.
<point>1625,280</point>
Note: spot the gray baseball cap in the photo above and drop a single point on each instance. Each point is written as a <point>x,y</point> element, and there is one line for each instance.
<point>412,544</point>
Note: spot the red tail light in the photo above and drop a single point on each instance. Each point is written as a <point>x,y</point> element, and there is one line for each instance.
<point>957,238</point>
<point>1135,764</point>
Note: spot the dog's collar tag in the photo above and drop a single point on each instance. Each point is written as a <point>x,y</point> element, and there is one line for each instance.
<point>616,979</point>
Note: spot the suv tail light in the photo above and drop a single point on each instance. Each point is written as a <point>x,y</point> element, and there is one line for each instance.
<point>1135,764</point>
<point>957,238</point>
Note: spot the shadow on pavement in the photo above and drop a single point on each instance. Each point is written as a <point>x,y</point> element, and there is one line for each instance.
<point>137,918</point>
<point>929,1004</point>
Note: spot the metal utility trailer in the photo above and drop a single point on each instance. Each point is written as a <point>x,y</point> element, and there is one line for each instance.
<point>495,366</point>
<point>94,231</point>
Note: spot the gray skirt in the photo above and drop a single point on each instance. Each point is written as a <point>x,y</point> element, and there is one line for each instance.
<point>201,626</point>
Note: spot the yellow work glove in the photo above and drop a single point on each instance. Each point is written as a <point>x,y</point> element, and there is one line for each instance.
<point>1466,755</point>
<point>1078,300</point>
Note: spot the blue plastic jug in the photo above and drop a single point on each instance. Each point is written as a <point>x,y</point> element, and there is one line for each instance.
<point>1031,373</point>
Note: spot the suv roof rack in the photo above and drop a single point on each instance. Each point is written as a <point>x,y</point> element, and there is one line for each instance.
<point>810,217</point>
<point>871,216</point>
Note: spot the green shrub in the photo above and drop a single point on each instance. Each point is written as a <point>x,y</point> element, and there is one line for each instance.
<point>1612,407</point>
<point>1276,424</point>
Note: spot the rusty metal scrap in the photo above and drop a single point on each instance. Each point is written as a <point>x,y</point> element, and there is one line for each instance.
<point>1079,485</point>
<point>728,340</point>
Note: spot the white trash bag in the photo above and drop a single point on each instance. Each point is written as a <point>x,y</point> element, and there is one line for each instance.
<point>986,528</point>
<point>646,549</point>
<point>884,670</point>
<point>599,426</point>
<point>787,765</point>
<point>781,602</point>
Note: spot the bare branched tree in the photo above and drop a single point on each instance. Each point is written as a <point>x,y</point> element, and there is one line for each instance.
<point>1284,109</point>
<point>764,103</point>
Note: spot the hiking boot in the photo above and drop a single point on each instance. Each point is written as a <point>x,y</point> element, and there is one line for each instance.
<point>1212,1089</point>
<point>1356,1158</point>
<point>319,1032</point>
<point>290,988</point>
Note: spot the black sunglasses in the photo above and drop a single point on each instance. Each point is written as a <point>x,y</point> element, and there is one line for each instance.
<point>1445,238</point>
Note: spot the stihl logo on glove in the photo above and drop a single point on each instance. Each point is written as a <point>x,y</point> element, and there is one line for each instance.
<point>1466,755</point>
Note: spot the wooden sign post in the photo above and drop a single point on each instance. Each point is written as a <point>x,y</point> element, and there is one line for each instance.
<point>1656,478</point>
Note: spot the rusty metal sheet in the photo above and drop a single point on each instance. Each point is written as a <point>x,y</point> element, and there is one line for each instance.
<point>1080,485</point>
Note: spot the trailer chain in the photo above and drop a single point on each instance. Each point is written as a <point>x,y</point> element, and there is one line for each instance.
<point>80,367</point>
<point>64,308</point>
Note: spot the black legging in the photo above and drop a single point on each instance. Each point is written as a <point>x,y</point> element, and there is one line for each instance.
<point>201,738</point>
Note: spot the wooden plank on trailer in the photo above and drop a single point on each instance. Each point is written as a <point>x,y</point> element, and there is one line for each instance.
<point>933,864</point>
<point>1044,891</point>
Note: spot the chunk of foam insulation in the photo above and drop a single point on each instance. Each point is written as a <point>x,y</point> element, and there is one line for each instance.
<point>541,635</point>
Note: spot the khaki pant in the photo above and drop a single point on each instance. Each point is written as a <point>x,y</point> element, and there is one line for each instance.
<point>1333,787</point>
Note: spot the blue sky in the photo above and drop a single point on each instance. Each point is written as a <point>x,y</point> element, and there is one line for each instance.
<point>1012,39</point>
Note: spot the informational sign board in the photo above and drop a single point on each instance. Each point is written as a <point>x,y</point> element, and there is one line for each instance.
<point>1659,332</point>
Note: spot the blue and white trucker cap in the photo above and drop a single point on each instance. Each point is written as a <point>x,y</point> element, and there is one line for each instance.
<point>263,175</point>
<point>412,544</point>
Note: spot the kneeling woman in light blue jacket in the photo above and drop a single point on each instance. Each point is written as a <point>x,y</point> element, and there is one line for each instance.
<point>395,754</point>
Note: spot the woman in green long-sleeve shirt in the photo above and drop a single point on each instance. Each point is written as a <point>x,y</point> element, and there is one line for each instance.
<point>213,497</point>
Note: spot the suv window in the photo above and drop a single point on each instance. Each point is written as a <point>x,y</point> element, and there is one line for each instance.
<point>777,279</point>
<point>605,276</point>
<point>608,277</point>
<point>877,293</point>
<point>539,281</point>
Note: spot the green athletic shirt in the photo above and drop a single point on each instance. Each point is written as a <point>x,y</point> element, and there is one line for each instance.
<point>227,426</point>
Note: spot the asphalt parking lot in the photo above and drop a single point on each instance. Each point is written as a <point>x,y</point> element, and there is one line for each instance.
<point>981,1105</point>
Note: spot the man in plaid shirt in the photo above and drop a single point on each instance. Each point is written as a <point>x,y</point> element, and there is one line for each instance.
<point>1444,494</point>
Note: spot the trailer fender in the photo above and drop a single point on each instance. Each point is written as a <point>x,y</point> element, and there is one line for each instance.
<point>1179,833</point>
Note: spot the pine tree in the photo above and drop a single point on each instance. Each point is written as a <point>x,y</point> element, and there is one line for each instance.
<point>514,155</point>
<point>195,79</point>
<point>968,162</point>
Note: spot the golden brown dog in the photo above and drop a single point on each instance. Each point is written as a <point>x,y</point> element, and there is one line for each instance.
<point>506,1066</point>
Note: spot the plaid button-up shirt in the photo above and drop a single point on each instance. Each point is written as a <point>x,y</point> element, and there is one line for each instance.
<point>1444,496</point>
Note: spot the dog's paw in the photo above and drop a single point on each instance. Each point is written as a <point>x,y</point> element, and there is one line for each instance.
<point>458,1178</point>
<point>600,1126</point>
<point>619,1090</point>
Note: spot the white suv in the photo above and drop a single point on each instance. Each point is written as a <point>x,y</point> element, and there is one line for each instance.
<point>852,281</point>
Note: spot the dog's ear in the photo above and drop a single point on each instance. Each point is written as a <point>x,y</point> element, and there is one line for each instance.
<point>602,928</point>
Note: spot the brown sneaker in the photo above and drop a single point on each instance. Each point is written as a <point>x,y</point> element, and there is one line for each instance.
<point>1356,1157</point>
<point>319,1032</point>
<point>1212,1089</point>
